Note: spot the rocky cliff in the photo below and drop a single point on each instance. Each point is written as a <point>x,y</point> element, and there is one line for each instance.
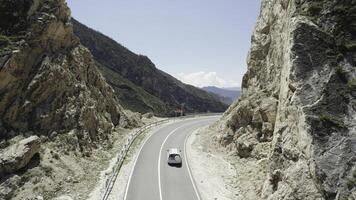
<point>297,112</point>
<point>139,85</point>
<point>49,82</point>
<point>60,122</point>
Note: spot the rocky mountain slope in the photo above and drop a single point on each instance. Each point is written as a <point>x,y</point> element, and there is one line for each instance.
<point>48,81</point>
<point>296,119</point>
<point>226,95</point>
<point>139,84</point>
<point>50,87</point>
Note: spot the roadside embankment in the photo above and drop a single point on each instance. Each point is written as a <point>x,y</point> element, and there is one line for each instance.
<point>218,174</point>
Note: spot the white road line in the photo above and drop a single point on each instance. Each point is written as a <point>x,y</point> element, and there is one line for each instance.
<point>133,168</point>
<point>159,162</point>
<point>186,162</point>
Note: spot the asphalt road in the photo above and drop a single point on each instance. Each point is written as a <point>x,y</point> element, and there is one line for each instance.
<point>152,178</point>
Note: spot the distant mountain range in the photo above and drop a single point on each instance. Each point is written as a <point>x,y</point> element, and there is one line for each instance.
<point>226,95</point>
<point>138,84</point>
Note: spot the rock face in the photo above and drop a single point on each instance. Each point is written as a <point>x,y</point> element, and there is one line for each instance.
<point>49,82</point>
<point>18,155</point>
<point>299,99</point>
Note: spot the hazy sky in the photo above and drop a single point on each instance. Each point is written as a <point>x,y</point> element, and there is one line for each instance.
<point>201,42</point>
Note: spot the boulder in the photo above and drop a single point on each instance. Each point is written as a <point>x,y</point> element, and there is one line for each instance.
<point>268,110</point>
<point>19,155</point>
<point>148,115</point>
<point>9,186</point>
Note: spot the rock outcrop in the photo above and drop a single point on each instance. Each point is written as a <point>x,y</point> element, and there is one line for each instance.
<point>298,98</point>
<point>51,88</point>
<point>18,155</point>
<point>49,82</point>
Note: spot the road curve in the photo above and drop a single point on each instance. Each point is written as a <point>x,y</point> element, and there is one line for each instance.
<point>152,178</point>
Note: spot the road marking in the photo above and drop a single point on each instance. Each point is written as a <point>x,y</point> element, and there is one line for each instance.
<point>186,162</point>
<point>159,161</point>
<point>138,155</point>
<point>133,168</point>
<point>159,158</point>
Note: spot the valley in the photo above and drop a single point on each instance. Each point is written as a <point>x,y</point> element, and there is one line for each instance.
<point>83,117</point>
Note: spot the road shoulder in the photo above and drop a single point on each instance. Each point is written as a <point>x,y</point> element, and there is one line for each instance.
<point>121,183</point>
<point>211,172</point>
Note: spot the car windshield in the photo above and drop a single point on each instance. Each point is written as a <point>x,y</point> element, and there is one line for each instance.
<point>173,156</point>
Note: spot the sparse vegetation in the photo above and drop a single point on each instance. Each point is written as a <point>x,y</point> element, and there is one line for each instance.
<point>132,96</point>
<point>341,73</point>
<point>339,57</point>
<point>315,7</point>
<point>140,78</point>
<point>4,144</point>
<point>351,183</point>
<point>56,156</point>
<point>26,177</point>
<point>351,46</point>
<point>352,85</point>
<point>353,104</point>
<point>47,170</point>
<point>331,121</point>
<point>4,40</point>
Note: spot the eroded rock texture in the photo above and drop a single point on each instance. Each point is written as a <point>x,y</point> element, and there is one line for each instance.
<point>18,155</point>
<point>49,83</point>
<point>299,99</point>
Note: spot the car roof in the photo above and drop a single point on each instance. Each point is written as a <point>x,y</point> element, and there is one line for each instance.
<point>173,151</point>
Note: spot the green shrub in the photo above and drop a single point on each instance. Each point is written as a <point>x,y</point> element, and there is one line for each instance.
<point>352,85</point>
<point>351,183</point>
<point>4,40</point>
<point>353,104</point>
<point>315,8</point>
<point>351,46</point>
<point>311,8</point>
<point>56,156</point>
<point>47,170</point>
<point>15,38</point>
<point>341,73</point>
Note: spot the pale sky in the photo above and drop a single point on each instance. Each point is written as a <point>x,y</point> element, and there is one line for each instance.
<point>201,42</point>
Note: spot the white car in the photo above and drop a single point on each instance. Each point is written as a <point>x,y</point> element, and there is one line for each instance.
<point>174,157</point>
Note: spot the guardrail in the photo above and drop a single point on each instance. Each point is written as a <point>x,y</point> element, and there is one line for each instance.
<point>123,153</point>
<point>190,115</point>
<point>109,184</point>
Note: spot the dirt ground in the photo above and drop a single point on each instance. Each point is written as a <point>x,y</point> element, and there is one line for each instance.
<point>62,173</point>
<point>220,175</point>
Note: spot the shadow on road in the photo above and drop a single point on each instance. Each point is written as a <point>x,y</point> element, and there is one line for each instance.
<point>176,165</point>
